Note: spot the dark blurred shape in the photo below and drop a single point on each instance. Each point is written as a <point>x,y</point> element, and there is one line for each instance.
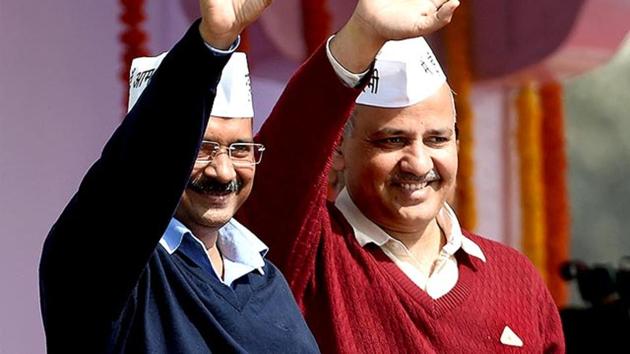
<point>623,279</point>
<point>604,326</point>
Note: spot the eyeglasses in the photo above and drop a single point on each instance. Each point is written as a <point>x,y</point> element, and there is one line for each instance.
<point>241,154</point>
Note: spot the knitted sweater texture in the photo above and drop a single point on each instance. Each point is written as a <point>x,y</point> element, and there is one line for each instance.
<point>356,300</point>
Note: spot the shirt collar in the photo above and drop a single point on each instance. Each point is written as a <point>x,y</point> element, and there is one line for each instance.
<point>455,239</point>
<point>235,241</point>
<point>366,231</point>
<point>173,236</point>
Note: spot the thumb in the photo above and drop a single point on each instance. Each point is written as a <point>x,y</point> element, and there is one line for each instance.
<point>444,14</point>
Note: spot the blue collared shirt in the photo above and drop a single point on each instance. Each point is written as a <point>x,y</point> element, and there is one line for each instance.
<point>241,250</point>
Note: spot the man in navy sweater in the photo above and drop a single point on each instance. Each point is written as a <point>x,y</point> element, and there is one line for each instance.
<point>146,257</point>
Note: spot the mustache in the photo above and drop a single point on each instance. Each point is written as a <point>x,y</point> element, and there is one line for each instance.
<point>204,184</point>
<point>402,177</point>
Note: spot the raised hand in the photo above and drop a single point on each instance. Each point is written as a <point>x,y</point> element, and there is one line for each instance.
<point>376,21</point>
<point>223,20</point>
<point>399,19</point>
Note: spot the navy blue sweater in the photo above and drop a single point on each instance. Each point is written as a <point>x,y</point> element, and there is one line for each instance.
<point>106,285</point>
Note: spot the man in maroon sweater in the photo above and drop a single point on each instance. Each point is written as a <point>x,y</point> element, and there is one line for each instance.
<point>387,269</point>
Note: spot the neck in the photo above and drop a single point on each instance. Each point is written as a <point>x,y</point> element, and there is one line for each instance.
<point>208,236</point>
<point>424,243</point>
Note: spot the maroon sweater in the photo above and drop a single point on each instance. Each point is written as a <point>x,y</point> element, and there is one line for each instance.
<point>356,300</point>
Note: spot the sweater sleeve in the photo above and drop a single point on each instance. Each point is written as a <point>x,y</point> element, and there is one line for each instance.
<point>289,193</point>
<point>97,249</point>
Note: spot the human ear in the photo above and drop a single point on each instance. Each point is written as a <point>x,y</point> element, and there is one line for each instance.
<point>338,161</point>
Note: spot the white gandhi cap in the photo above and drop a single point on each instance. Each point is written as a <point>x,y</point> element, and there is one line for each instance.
<point>234,95</point>
<point>405,73</point>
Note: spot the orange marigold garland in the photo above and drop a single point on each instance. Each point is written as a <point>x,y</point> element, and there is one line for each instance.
<point>556,191</point>
<point>244,45</point>
<point>458,39</point>
<point>316,23</point>
<point>133,38</point>
<point>531,181</point>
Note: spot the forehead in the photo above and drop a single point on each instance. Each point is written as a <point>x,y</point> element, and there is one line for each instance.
<point>229,129</point>
<point>437,110</point>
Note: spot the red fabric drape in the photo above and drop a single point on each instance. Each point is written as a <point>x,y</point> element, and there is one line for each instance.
<point>316,23</point>
<point>133,38</point>
<point>245,43</point>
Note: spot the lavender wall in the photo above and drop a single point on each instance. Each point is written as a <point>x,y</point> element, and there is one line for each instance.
<point>59,102</point>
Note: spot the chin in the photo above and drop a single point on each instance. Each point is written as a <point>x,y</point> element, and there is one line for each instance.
<point>215,222</point>
<point>215,217</point>
<point>416,219</point>
<point>420,214</point>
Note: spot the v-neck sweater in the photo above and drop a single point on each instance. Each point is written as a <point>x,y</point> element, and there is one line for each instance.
<point>356,300</point>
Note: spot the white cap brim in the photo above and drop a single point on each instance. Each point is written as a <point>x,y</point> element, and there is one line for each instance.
<point>405,73</point>
<point>233,98</point>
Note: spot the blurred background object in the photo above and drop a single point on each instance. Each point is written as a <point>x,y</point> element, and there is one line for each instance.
<point>602,326</point>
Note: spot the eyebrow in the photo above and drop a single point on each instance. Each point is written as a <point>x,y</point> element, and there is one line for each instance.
<point>233,141</point>
<point>243,141</point>
<point>392,131</point>
<point>444,131</point>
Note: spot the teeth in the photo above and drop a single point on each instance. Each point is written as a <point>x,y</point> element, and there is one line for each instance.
<point>413,186</point>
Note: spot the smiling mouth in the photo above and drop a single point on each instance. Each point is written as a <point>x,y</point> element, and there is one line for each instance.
<point>411,183</point>
<point>211,193</point>
<point>414,186</point>
<point>213,188</point>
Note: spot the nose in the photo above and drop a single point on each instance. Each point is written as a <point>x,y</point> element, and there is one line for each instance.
<point>417,160</point>
<point>221,168</point>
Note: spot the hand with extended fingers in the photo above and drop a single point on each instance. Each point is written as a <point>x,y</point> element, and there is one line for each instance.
<point>223,20</point>
<point>376,21</point>
<point>399,19</point>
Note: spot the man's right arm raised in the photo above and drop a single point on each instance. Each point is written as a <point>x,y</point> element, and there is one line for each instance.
<point>304,126</point>
<point>101,243</point>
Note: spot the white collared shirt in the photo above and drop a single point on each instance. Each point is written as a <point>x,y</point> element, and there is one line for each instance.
<point>241,250</point>
<point>445,272</point>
